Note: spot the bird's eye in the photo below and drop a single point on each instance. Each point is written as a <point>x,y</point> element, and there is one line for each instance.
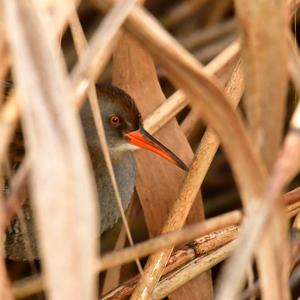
<point>114,121</point>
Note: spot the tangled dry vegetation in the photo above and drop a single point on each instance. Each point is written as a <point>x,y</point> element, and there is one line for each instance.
<point>204,56</point>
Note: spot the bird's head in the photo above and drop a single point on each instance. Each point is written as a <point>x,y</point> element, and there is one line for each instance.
<point>123,126</point>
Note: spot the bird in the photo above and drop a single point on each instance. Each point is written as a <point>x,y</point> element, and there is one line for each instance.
<point>124,134</point>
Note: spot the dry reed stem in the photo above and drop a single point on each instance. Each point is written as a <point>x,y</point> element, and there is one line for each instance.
<point>168,51</point>
<point>294,67</point>
<point>18,192</point>
<point>52,130</point>
<point>219,8</point>
<point>189,123</point>
<point>185,71</point>
<point>219,66</point>
<point>178,278</point>
<point>203,253</point>
<point>285,168</point>
<point>188,262</point>
<point>207,53</point>
<point>80,43</point>
<point>255,20</point>
<point>9,114</point>
<point>58,11</point>
<point>133,63</point>
<point>5,287</point>
<point>169,239</point>
<point>124,290</point>
<point>204,36</point>
<point>165,112</point>
<point>250,280</point>
<point>191,270</point>
<point>222,65</point>
<point>112,276</point>
<point>139,23</point>
<point>34,284</point>
<point>5,56</point>
<point>181,12</point>
<point>100,49</point>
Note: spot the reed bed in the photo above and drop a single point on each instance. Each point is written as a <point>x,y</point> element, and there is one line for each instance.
<point>215,81</point>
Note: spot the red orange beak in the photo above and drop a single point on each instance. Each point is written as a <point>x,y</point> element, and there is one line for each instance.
<point>141,138</point>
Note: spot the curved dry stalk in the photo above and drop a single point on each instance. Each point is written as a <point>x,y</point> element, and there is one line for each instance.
<point>18,192</point>
<point>5,56</point>
<point>183,275</point>
<point>58,11</point>
<point>218,10</point>
<point>165,112</point>
<point>54,139</point>
<point>181,12</point>
<point>80,45</point>
<point>188,125</point>
<point>208,52</point>
<point>169,239</point>
<point>100,49</point>
<point>177,278</point>
<point>34,284</point>
<point>112,275</point>
<point>255,21</point>
<point>10,112</point>
<point>187,73</point>
<point>188,262</point>
<point>202,37</point>
<point>285,168</point>
<point>221,66</point>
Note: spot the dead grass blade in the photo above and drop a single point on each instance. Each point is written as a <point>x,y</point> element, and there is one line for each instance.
<point>285,168</point>
<point>100,48</point>
<point>165,112</point>
<point>187,263</point>
<point>255,21</point>
<point>189,271</point>
<point>168,239</point>
<point>202,37</point>
<point>133,63</point>
<point>219,66</point>
<point>60,164</point>
<point>185,72</point>
<point>34,284</point>
<point>10,112</point>
<point>181,12</point>
<point>5,56</point>
<point>266,121</point>
<point>80,45</point>
<point>258,221</point>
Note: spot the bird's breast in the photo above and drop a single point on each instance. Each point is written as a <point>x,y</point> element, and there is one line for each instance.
<point>125,171</point>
